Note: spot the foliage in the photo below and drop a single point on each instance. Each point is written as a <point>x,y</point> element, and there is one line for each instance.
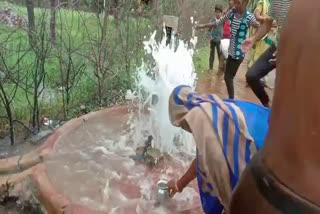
<point>94,57</point>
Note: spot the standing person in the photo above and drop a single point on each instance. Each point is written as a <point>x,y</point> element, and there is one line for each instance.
<point>260,8</point>
<point>216,35</point>
<point>240,20</point>
<point>261,12</point>
<point>284,175</point>
<point>226,133</point>
<point>278,11</point>
<point>226,35</point>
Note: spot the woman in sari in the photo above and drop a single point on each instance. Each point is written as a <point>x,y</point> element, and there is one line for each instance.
<point>226,133</point>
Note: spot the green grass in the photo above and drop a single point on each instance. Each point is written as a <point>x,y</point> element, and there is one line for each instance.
<point>80,30</point>
<point>201,60</point>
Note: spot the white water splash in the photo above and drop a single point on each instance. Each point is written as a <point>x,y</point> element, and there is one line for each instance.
<point>173,67</point>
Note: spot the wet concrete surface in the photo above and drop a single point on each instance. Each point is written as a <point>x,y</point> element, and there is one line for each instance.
<point>92,167</point>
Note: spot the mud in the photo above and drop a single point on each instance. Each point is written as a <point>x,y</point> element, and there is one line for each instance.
<point>210,82</point>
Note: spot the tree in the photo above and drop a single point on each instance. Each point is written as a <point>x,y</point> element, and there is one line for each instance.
<point>31,20</point>
<point>99,51</point>
<point>10,80</point>
<point>35,83</point>
<point>6,99</point>
<point>71,70</point>
<point>53,7</point>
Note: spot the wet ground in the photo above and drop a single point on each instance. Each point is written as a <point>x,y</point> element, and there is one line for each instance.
<point>22,144</point>
<point>19,148</point>
<point>210,82</point>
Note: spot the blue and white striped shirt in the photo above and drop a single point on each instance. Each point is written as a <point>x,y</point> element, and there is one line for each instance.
<point>250,21</point>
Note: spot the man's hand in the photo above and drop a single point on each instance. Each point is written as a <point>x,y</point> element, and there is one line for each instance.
<point>199,26</point>
<point>173,188</point>
<point>208,25</point>
<point>247,45</point>
<point>274,60</point>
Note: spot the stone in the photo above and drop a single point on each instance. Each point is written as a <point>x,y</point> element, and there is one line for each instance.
<point>153,157</point>
<point>129,96</point>
<point>83,110</point>
<point>172,22</point>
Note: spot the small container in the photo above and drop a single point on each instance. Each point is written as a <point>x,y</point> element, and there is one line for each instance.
<point>154,99</point>
<point>162,191</point>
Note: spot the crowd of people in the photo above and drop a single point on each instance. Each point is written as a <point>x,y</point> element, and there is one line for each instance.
<point>236,23</point>
<point>240,143</point>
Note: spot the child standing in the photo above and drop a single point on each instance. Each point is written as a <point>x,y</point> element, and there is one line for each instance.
<point>240,21</point>
<point>226,35</point>
<point>216,36</point>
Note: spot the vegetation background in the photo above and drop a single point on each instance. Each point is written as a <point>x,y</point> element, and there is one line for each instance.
<point>60,58</point>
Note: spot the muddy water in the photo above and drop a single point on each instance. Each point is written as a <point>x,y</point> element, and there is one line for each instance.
<point>92,166</point>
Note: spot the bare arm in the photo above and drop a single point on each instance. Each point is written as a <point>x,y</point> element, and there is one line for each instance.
<point>208,25</point>
<point>263,30</point>
<point>178,186</point>
<point>257,14</point>
<point>189,176</point>
<point>215,23</point>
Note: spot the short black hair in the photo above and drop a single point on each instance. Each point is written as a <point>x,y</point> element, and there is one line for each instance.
<point>218,7</point>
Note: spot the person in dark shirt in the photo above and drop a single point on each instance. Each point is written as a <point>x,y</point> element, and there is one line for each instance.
<point>216,35</point>
<point>278,11</point>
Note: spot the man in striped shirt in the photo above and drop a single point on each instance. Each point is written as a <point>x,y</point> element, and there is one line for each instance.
<point>266,63</point>
<point>240,19</point>
<point>226,134</point>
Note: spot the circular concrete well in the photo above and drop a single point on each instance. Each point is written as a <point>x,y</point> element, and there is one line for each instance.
<point>90,167</point>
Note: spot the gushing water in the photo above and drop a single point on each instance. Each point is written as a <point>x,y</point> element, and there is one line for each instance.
<point>173,67</point>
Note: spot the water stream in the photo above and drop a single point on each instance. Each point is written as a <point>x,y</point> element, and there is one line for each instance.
<point>173,67</point>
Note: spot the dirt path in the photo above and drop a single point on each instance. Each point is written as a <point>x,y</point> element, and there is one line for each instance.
<point>211,83</point>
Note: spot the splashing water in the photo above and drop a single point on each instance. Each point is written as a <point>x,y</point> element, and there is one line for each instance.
<point>173,67</point>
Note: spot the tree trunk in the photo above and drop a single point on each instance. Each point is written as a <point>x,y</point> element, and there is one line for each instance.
<point>156,14</point>
<point>100,91</point>
<point>11,130</point>
<point>70,4</point>
<point>102,57</point>
<point>7,106</point>
<point>115,9</point>
<point>31,21</point>
<point>35,121</point>
<point>53,6</point>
